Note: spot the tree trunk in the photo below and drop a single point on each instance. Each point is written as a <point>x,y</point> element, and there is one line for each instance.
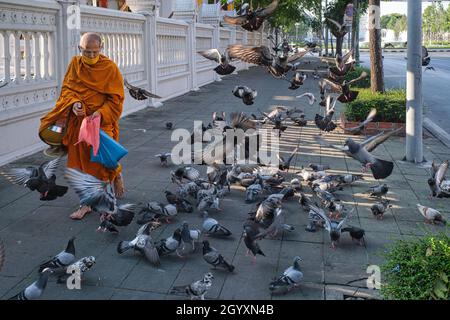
<point>376,61</point>
<point>332,48</point>
<point>339,42</point>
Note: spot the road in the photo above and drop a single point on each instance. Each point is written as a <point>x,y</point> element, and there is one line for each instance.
<point>436,85</point>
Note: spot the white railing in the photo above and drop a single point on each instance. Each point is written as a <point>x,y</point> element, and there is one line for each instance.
<point>155,53</point>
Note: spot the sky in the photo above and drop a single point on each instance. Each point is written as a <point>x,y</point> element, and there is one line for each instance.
<point>388,7</point>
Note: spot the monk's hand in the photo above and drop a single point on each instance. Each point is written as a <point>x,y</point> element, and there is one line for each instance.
<point>78,109</point>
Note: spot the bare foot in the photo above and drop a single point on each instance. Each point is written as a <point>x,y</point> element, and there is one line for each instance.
<point>80,213</point>
<point>118,187</point>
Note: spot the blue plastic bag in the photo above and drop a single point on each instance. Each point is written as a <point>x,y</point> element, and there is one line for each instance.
<point>109,151</point>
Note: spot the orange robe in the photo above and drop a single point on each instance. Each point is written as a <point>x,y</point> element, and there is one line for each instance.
<point>98,87</point>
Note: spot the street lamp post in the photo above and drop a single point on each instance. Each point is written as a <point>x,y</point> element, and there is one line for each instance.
<point>414,147</point>
<point>296,31</point>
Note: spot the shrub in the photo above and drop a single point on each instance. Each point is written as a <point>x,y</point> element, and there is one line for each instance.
<point>417,269</point>
<point>391,106</point>
<point>364,83</point>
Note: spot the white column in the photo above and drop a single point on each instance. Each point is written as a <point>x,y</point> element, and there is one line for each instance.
<point>414,147</point>
<point>192,47</point>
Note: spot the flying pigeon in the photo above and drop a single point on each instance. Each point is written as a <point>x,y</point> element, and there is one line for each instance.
<point>362,125</point>
<point>245,93</point>
<point>42,179</point>
<point>310,96</point>
<point>345,95</point>
<point>297,80</point>
<point>284,165</point>
<point>164,157</point>
<point>169,125</point>
<point>142,243</point>
<point>252,20</point>
<point>340,30</point>
<point>223,60</point>
<point>139,93</point>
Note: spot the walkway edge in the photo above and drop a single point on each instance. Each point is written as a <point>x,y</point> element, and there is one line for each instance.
<point>437,131</point>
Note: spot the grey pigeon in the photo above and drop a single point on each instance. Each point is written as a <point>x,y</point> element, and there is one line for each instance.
<point>362,125</point>
<point>222,59</point>
<point>169,245</point>
<point>182,204</point>
<point>143,244</point>
<point>41,179</point>
<point>197,289</point>
<point>379,191</point>
<point>245,93</point>
<point>121,217</point>
<point>188,239</point>
<point>214,258</point>
<point>164,157</point>
<point>62,259</point>
<point>319,167</point>
<point>285,164</point>
<point>188,173</point>
<point>439,186</point>
<point>253,191</point>
<point>139,93</point>
<point>333,227</point>
<point>212,227</point>
<point>251,229</point>
<point>278,225</point>
<point>381,169</point>
<point>378,209</point>
<point>251,20</point>
<point>34,290</point>
<point>290,278</point>
<point>356,234</point>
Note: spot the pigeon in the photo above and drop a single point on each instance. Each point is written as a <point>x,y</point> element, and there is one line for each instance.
<point>362,125</point>
<point>265,214</point>
<point>295,184</point>
<point>277,66</point>
<point>333,227</point>
<point>345,95</point>
<point>163,157</point>
<point>251,229</point>
<point>278,225</point>
<point>214,258</point>
<point>182,204</point>
<point>438,185</point>
<point>34,290</point>
<point>297,80</point>
<point>311,175</point>
<point>378,209</point>
<point>429,68</point>
<point>245,93</point>
<point>62,259</point>
<point>188,173</point>
<point>121,217</point>
<point>94,193</point>
<point>42,179</point>
<point>169,125</point>
<point>349,178</point>
<point>207,203</point>
<point>139,93</point>
<point>326,123</point>
<point>340,30</point>
<point>83,265</point>
<point>284,165</point>
<point>253,191</point>
<point>431,215</point>
<point>212,227</point>
<point>290,278</point>
<point>142,243</point>
<point>343,64</point>
<point>252,20</point>
<point>355,233</point>
<point>318,167</point>
<point>160,210</point>
<point>381,169</point>
<point>197,289</point>
<point>379,191</point>
<point>169,245</point>
<point>310,96</point>
<point>223,60</point>
<point>425,57</point>
<point>188,239</point>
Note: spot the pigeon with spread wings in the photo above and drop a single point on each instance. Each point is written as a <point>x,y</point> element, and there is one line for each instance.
<point>139,93</point>
<point>277,66</point>
<point>345,94</point>
<point>42,179</point>
<point>362,125</point>
<point>223,60</point>
<point>340,30</point>
<point>252,20</point>
<point>381,169</point>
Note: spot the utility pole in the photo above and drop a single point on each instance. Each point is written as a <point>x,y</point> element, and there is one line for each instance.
<point>326,32</point>
<point>414,147</point>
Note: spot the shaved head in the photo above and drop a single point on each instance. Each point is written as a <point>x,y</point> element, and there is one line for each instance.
<point>90,37</point>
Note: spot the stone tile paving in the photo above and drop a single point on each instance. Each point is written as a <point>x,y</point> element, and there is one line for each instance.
<point>33,231</point>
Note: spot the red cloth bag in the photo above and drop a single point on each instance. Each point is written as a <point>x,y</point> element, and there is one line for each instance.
<point>90,132</point>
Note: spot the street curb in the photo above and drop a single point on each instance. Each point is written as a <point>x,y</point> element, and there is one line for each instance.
<point>437,131</point>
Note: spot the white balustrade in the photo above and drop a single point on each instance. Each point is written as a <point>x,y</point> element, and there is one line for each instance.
<point>36,45</point>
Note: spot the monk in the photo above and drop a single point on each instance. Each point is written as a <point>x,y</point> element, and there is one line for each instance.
<point>92,87</point>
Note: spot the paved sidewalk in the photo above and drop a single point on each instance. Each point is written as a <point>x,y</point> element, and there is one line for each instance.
<point>33,231</point>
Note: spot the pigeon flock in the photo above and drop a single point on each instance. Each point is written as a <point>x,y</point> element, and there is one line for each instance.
<point>267,188</point>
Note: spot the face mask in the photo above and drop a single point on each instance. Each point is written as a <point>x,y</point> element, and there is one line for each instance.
<point>90,61</point>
